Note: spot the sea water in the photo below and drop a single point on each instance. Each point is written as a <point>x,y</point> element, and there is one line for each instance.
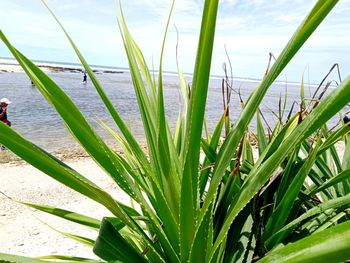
<point>35,119</point>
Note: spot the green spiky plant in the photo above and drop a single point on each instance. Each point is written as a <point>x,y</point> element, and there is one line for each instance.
<point>290,205</point>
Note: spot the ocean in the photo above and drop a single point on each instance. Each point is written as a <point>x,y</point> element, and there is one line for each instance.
<point>33,117</point>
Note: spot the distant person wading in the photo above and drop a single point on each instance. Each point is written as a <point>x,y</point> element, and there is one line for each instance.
<point>84,77</point>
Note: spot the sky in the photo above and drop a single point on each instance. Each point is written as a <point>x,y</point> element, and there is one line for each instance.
<point>247,30</point>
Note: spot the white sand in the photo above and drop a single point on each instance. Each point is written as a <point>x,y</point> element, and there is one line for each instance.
<point>7,65</point>
<point>10,68</point>
<point>11,65</point>
<point>21,231</point>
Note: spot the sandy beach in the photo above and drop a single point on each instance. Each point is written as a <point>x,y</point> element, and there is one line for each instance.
<point>7,65</point>
<point>25,231</point>
<point>11,65</point>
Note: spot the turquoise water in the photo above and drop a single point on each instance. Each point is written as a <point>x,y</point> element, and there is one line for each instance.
<point>35,119</point>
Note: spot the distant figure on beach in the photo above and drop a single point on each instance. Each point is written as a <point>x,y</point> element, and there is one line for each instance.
<point>346,119</point>
<point>84,77</point>
<point>3,111</point>
<point>3,115</point>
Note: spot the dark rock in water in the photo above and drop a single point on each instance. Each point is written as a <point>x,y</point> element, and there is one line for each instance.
<point>112,72</point>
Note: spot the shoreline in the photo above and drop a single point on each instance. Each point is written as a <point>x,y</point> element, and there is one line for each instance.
<point>64,154</point>
<point>11,66</point>
<point>69,155</point>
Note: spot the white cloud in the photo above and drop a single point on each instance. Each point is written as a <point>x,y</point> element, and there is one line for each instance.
<point>249,29</point>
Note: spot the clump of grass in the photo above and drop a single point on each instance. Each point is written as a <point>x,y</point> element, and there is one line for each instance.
<point>290,204</point>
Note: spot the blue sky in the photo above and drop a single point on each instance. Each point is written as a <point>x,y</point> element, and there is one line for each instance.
<point>249,30</point>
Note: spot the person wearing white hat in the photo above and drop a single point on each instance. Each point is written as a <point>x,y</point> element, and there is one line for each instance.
<point>3,110</point>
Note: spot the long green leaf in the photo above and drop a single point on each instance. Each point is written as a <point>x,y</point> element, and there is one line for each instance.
<point>214,144</point>
<point>115,115</point>
<point>333,155</point>
<point>281,213</point>
<point>331,204</point>
<point>240,237</point>
<point>345,175</point>
<point>332,221</point>
<point>346,162</point>
<point>261,133</point>
<point>148,114</point>
<point>66,259</point>
<point>167,156</point>
<point>346,157</point>
<point>330,245</point>
<point>54,167</point>
<point>67,215</point>
<point>74,120</point>
<point>203,240</point>
<point>80,239</point>
<point>111,246</point>
<point>8,258</point>
<point>189,188</point>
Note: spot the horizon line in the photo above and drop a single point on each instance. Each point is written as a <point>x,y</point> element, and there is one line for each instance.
<point>78,66</point>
